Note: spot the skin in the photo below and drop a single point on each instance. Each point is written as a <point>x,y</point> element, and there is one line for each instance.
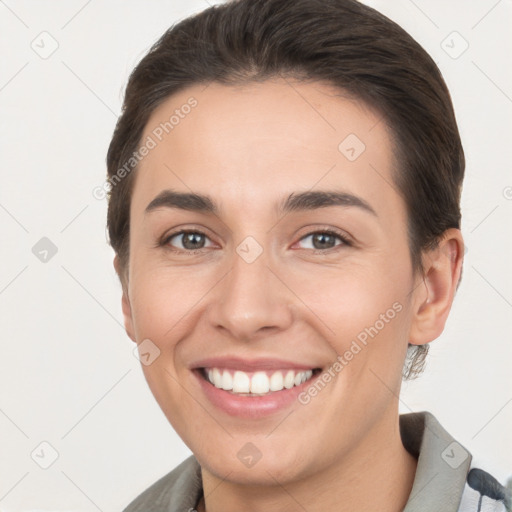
<point>249,147</point>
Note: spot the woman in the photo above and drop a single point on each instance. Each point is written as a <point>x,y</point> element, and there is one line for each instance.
<point>284,198</point>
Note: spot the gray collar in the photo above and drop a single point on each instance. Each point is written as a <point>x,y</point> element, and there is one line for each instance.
<point>443,464</point>
<point>441,473</point>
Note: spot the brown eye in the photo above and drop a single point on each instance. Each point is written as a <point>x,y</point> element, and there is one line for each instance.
<point>323,240</point>
<point>188,240</point>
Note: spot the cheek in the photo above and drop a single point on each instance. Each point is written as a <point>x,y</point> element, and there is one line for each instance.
<point>165,304</point>
<point>363,311</point>
<point>164,298</point>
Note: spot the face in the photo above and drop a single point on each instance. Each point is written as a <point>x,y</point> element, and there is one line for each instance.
<point>292,264</point>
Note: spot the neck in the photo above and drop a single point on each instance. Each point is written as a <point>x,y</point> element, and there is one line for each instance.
<point>377,474</point>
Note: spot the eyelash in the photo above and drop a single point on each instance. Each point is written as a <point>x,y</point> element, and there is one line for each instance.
<point>328,231</point>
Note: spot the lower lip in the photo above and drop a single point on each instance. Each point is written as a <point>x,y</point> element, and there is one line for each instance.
<point>251,406</point>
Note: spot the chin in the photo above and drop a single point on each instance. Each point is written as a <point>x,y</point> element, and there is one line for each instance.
<point>271,468</point>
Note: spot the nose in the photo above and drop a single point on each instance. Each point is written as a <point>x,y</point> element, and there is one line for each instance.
<point>251,301</point>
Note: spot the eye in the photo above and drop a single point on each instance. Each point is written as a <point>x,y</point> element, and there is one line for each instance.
<point>323,240</point>
<point>187,240</point>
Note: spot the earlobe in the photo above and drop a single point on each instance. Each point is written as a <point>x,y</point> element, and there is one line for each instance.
<point>127,314</point>
<point>434,295</point>
<point>125,302</point>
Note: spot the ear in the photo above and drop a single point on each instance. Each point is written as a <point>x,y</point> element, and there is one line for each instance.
<point>125,302</point>
<point>435,290</point>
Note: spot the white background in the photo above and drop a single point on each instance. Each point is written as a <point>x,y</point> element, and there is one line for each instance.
<point>67,372</point>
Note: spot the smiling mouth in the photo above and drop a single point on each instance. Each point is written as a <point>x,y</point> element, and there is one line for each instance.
<point>259,383</point>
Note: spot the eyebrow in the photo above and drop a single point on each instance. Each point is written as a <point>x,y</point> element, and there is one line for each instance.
<point>296,201</point>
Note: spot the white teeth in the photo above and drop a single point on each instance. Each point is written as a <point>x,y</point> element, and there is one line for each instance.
<point>276,381</point>
<point>289,379</point>
<point>227,380</point>
<point>217,378</point>
<point>258,383</point>
<point>241,382</point>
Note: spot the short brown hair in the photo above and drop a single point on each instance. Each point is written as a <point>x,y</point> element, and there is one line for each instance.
<point>341,42</point>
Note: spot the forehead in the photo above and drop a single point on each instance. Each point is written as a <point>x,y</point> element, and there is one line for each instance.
<point>253,143</point>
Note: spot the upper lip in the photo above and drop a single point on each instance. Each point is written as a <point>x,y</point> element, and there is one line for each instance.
<point>237,363</point>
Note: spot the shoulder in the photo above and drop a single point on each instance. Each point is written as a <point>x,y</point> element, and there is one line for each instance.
<point>484,493</point>
<point>180,489</point>
<point>447,476</point>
